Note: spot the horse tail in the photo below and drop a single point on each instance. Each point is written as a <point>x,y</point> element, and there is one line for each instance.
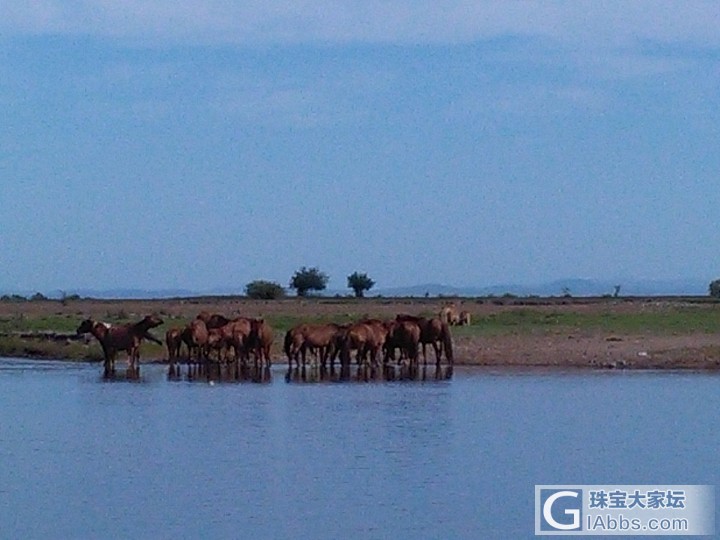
<point>447,343</point>
<point>287,345</point>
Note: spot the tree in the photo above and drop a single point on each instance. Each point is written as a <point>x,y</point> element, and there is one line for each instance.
<point>715,288</point>
<point>308,279</point>
<point>359,283</point>
<point>264,290</point>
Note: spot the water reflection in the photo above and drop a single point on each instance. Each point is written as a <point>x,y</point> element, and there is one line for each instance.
<point>111,373</point>
<point>234,372</point>
<point>346,373</point>
<point>216,372</point>
<point>305,460</point>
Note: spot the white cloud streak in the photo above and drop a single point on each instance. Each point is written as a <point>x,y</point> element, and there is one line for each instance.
<point>573,23</point>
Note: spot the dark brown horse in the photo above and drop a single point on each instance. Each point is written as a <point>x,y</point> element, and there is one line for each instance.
<point>403,335</point>
<point>125,337</point>
<point>434,332</point>
<point>173,341</point>
<point>215,320</point>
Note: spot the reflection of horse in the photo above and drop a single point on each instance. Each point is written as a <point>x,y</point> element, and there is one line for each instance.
<point>435,332</point>
<point>125,337</point>
<point>321,338</point>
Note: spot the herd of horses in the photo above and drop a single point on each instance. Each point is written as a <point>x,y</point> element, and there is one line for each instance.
<point>214,340</point>
<point>371,341</point>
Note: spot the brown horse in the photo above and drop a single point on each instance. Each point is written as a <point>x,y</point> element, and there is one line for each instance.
<point>464,318</point>
<point>434,332</point>
<point>367,338</point>
<point>125,337</point>
<point>195,337</point>
<point>218,343</point>
<point>321,338</point>
<point>216,320</point>
<point>237,333</point>
<point>260,340</point>
<point>173,341</point>
<point>405,336</point>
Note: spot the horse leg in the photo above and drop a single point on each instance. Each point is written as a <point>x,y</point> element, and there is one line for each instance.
<point>266,351</point>
<point>438,352</point>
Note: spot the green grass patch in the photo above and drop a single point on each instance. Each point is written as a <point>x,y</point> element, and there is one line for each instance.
<point>51,323</point>
<point>15,346</point>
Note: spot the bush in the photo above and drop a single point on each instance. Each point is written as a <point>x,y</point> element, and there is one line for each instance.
<point>264,290</point>
<point>714,288</point>
<point>308,279</point>
<point>359,283</point>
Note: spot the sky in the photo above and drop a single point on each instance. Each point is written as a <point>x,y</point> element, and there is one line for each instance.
<point>196,145</point>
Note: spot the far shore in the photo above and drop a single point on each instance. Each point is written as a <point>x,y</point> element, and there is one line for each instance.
<point>599,333</point>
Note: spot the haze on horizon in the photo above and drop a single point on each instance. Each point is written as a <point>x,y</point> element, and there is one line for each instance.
<point>175,145</point>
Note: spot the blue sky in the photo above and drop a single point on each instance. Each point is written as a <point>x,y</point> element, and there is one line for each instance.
<point>180,145</point>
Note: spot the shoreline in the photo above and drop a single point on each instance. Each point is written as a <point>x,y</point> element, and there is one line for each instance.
<point>586,333</point>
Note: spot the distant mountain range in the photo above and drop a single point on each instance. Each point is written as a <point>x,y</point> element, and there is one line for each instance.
<point>574,287</point>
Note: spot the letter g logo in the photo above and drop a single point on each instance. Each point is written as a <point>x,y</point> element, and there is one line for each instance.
<point>547,511</point>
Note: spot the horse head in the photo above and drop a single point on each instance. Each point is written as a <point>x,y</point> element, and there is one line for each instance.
<point>85,327</point>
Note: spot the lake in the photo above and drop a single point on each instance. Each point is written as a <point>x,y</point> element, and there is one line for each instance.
<point>449,458</point>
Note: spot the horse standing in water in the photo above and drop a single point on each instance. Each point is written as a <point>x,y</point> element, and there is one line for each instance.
<point>126,337</point>
<point>260,341</point>
<point>321,338</point>
<point>436,333</point>
<point>173,341</point>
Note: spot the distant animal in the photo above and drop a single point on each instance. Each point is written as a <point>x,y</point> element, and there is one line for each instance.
<point>464,318</point>
<point>125,337</point>
<point>449,315</point>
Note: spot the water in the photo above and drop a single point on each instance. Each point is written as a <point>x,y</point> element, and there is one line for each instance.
<point>83,458</point>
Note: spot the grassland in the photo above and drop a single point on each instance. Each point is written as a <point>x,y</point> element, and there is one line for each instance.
<point>566,332</point>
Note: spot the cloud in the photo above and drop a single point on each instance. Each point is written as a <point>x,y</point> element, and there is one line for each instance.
<point>575,23</point>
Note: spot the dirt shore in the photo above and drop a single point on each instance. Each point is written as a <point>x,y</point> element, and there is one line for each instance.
<point>697,351</point>
<point>630,333</point>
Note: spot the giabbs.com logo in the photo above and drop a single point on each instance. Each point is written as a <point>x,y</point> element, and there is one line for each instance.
<point>560,510</point>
